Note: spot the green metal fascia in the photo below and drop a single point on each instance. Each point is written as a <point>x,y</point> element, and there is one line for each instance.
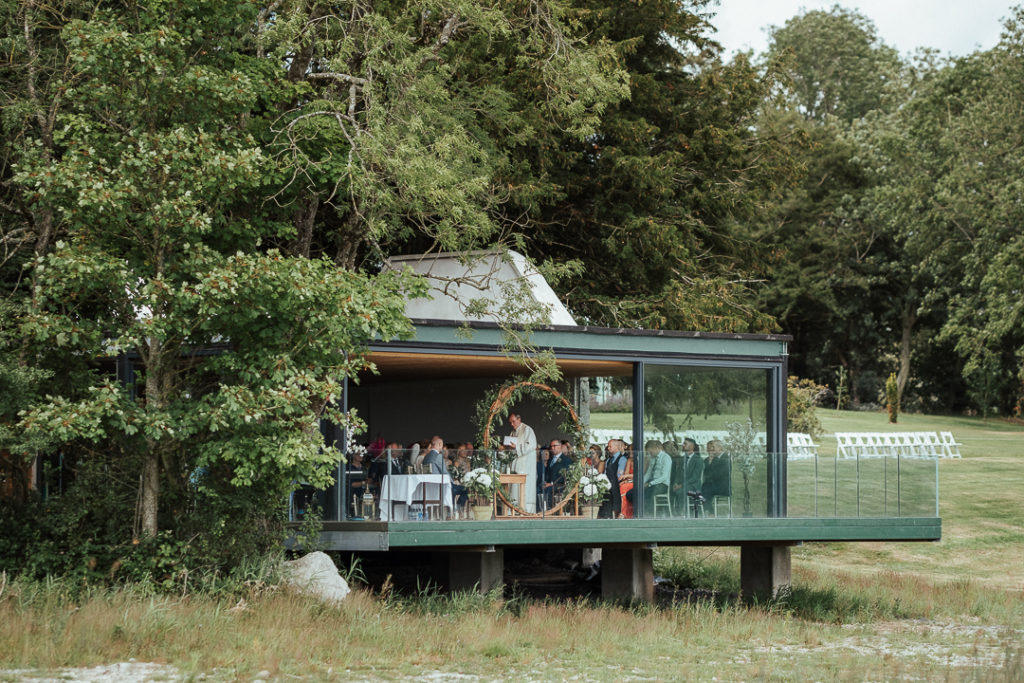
<point>623,342</point>
<point>585,532</point>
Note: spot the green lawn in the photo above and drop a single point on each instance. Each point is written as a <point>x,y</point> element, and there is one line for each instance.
<point>980,502</point>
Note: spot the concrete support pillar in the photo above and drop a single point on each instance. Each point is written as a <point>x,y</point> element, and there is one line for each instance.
<point>764,570</point>
<point>627,574</point>
<point>463,571</point>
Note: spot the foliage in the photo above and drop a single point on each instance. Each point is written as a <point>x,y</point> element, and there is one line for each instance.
<point>650,202</point>
<point>674,396</point>
<point>890,248</point>
<point>480,483</point>
<point>192,187</point>
<point>497,403</point>
<point>835,63</point>
<point>741,446</point>
<point>892,399</point>
<point>594,487</point>
<point>197,200</point>
<point>802,397</point>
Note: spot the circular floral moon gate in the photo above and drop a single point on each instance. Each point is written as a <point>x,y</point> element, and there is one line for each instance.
<point>499,401</point>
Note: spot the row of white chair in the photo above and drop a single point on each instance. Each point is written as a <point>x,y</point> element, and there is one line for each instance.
<point>904,444</point>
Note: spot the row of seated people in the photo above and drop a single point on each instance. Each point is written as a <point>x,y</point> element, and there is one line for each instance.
<point>683,474</point>
<point>691,482</point>
<point>429,456</point>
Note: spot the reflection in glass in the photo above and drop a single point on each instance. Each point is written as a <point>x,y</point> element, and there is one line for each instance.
<point>718,415</point>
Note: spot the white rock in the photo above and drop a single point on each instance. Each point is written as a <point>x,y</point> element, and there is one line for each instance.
<point>316,575</point>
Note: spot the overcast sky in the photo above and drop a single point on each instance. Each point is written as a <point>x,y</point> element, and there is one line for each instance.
<point>955,27</point>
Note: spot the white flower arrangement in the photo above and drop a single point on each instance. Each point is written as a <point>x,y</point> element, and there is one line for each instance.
<point>593,488</point>
<point>479,482</point>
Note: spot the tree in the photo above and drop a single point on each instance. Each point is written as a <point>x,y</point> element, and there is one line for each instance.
<point>832,279</point>
<point>162,262</point>
<point>648,207</point>
<point>947,193</point>
<point>982,191</point>
<point>197,187</point>
<point>399,139</point>
<point>836,63</point>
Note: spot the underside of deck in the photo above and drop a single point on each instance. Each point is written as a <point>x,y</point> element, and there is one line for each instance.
<point>577,532</point>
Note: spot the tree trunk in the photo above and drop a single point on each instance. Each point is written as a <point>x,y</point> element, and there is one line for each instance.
<point>851,383</point>
<point>908,319</point>
<point>150,490</point>
<point>303,219</point>
<point>149,505</point>
<point>349,239</point>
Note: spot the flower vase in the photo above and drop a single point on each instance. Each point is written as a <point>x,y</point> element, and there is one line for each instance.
<point>481,513</point>
<point>590,510</point>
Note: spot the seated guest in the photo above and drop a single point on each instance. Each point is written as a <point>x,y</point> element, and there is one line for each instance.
<point>462,457</point>
<point>658,474</point>
<point>717,474</point>
<point>567,450</point>
<point>397,454</point>
<point>687,474</point>
<point>543,485</point>
<point>594,461</point>
<point>433,461</point>
<point>458,468</point>
<point>414,454</point>
<point>379,469</point>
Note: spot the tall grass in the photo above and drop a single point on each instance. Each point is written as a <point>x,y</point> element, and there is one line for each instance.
<point>375,637</point>
<point>952,610</point>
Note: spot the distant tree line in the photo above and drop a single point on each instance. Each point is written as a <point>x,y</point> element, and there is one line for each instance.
<point>901,247</point>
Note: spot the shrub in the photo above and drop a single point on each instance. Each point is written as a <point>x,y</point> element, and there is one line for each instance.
<point>804,396</point>
<point>892,398</point>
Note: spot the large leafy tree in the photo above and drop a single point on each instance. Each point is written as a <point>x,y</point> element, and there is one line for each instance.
<point>196,186</point>
<point>161,261</point>
<point>649,203</point>
<point>399,140</point>
<point>835,62</point>
<point>952,192</point>
<point>833,277</point>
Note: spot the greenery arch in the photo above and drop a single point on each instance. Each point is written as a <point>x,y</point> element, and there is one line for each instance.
<point>496,405</point>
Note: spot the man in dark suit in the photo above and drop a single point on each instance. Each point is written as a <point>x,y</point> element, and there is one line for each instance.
<point>717,476</point>
<point>558,464</point>
<point>614,461</point>
<point>379,468</point>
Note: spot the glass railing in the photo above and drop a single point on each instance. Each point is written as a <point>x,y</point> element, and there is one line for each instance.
<point>409,485</point>
<point>880,486</point>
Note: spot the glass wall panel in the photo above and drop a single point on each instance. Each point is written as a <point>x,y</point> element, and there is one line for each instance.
<point>609,408</point>
<point>712,424</point>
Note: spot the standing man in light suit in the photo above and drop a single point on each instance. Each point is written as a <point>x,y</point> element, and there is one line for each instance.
<point>525,462</point>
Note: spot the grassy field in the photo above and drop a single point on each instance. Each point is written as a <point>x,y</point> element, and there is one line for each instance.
<point>952,610</point>
<point>980,502</point>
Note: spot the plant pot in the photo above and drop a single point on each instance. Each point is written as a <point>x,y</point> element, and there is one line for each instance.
<point>481,513</point>
<point>590,510</point>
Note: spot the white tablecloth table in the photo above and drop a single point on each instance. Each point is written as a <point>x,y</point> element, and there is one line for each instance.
<point>413,488</point>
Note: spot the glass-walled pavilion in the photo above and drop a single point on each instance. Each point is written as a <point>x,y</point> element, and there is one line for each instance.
<point>667,395</point>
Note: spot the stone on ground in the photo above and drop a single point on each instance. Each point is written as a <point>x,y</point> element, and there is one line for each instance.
<point>316,575</point>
